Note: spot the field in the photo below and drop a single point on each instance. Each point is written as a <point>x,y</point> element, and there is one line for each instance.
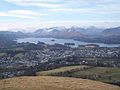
<point>53,83</point>
<point>61,70</point>
<point>103,74</point>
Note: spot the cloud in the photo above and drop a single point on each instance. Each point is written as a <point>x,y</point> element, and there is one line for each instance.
<point>14,15</point>
<point>34,1</point>
<point>31,26</point>
<point>80,6</point>
<point>64,10</point>
<point>21,14</point>
<point>26,12</point>
<point>38,3</point>
<point>99,9</point>
<point>81,10</point>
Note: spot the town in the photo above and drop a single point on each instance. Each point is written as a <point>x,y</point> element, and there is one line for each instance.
<point>28,58</point>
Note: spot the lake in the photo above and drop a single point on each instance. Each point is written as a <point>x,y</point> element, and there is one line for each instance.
<point>52,41</point>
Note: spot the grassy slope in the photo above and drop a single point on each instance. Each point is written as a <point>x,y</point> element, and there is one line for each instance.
<point>53,83</point>
<point>103,72</point>
<point>62,69</point>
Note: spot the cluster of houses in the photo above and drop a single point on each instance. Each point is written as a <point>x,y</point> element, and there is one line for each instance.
<point>32,58</point>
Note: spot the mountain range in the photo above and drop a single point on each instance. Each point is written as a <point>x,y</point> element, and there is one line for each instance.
<point>90,34</point>
<point>75,31</point>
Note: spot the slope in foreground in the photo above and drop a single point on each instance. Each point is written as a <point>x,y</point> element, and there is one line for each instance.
<point>53,83</point>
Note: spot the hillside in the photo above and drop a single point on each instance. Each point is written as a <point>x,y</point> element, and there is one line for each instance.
<point>57,71</point>
<point>111,31</point>
<point>103,74</point>
<point>53,83</point>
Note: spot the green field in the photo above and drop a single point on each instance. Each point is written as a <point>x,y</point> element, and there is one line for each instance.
<point>104,74</point>
<point>61,70</point>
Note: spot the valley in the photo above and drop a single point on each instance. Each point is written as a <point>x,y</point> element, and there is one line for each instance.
<point>60,45</point>
<point>53,57</point>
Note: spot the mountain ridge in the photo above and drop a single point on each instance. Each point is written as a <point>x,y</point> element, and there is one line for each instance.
<point>91,34</point>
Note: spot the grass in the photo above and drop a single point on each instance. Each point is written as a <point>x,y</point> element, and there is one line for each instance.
<point>103,74</point>
<point>44,82</point>
<point>62,69</point>
<point>100,70</point>
<point>53,83</point>
<point>2,54</point>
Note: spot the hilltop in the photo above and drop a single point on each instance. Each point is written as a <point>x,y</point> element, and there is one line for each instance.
<point>53,83</point>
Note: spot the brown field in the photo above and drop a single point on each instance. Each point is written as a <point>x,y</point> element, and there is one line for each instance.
<point>53,83</point>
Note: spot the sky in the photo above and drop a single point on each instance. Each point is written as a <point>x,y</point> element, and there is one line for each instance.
<point>32,14</point>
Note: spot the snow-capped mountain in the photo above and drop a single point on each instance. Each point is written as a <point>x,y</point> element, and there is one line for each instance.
<point>67,32</point>
<point>58,32</point>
